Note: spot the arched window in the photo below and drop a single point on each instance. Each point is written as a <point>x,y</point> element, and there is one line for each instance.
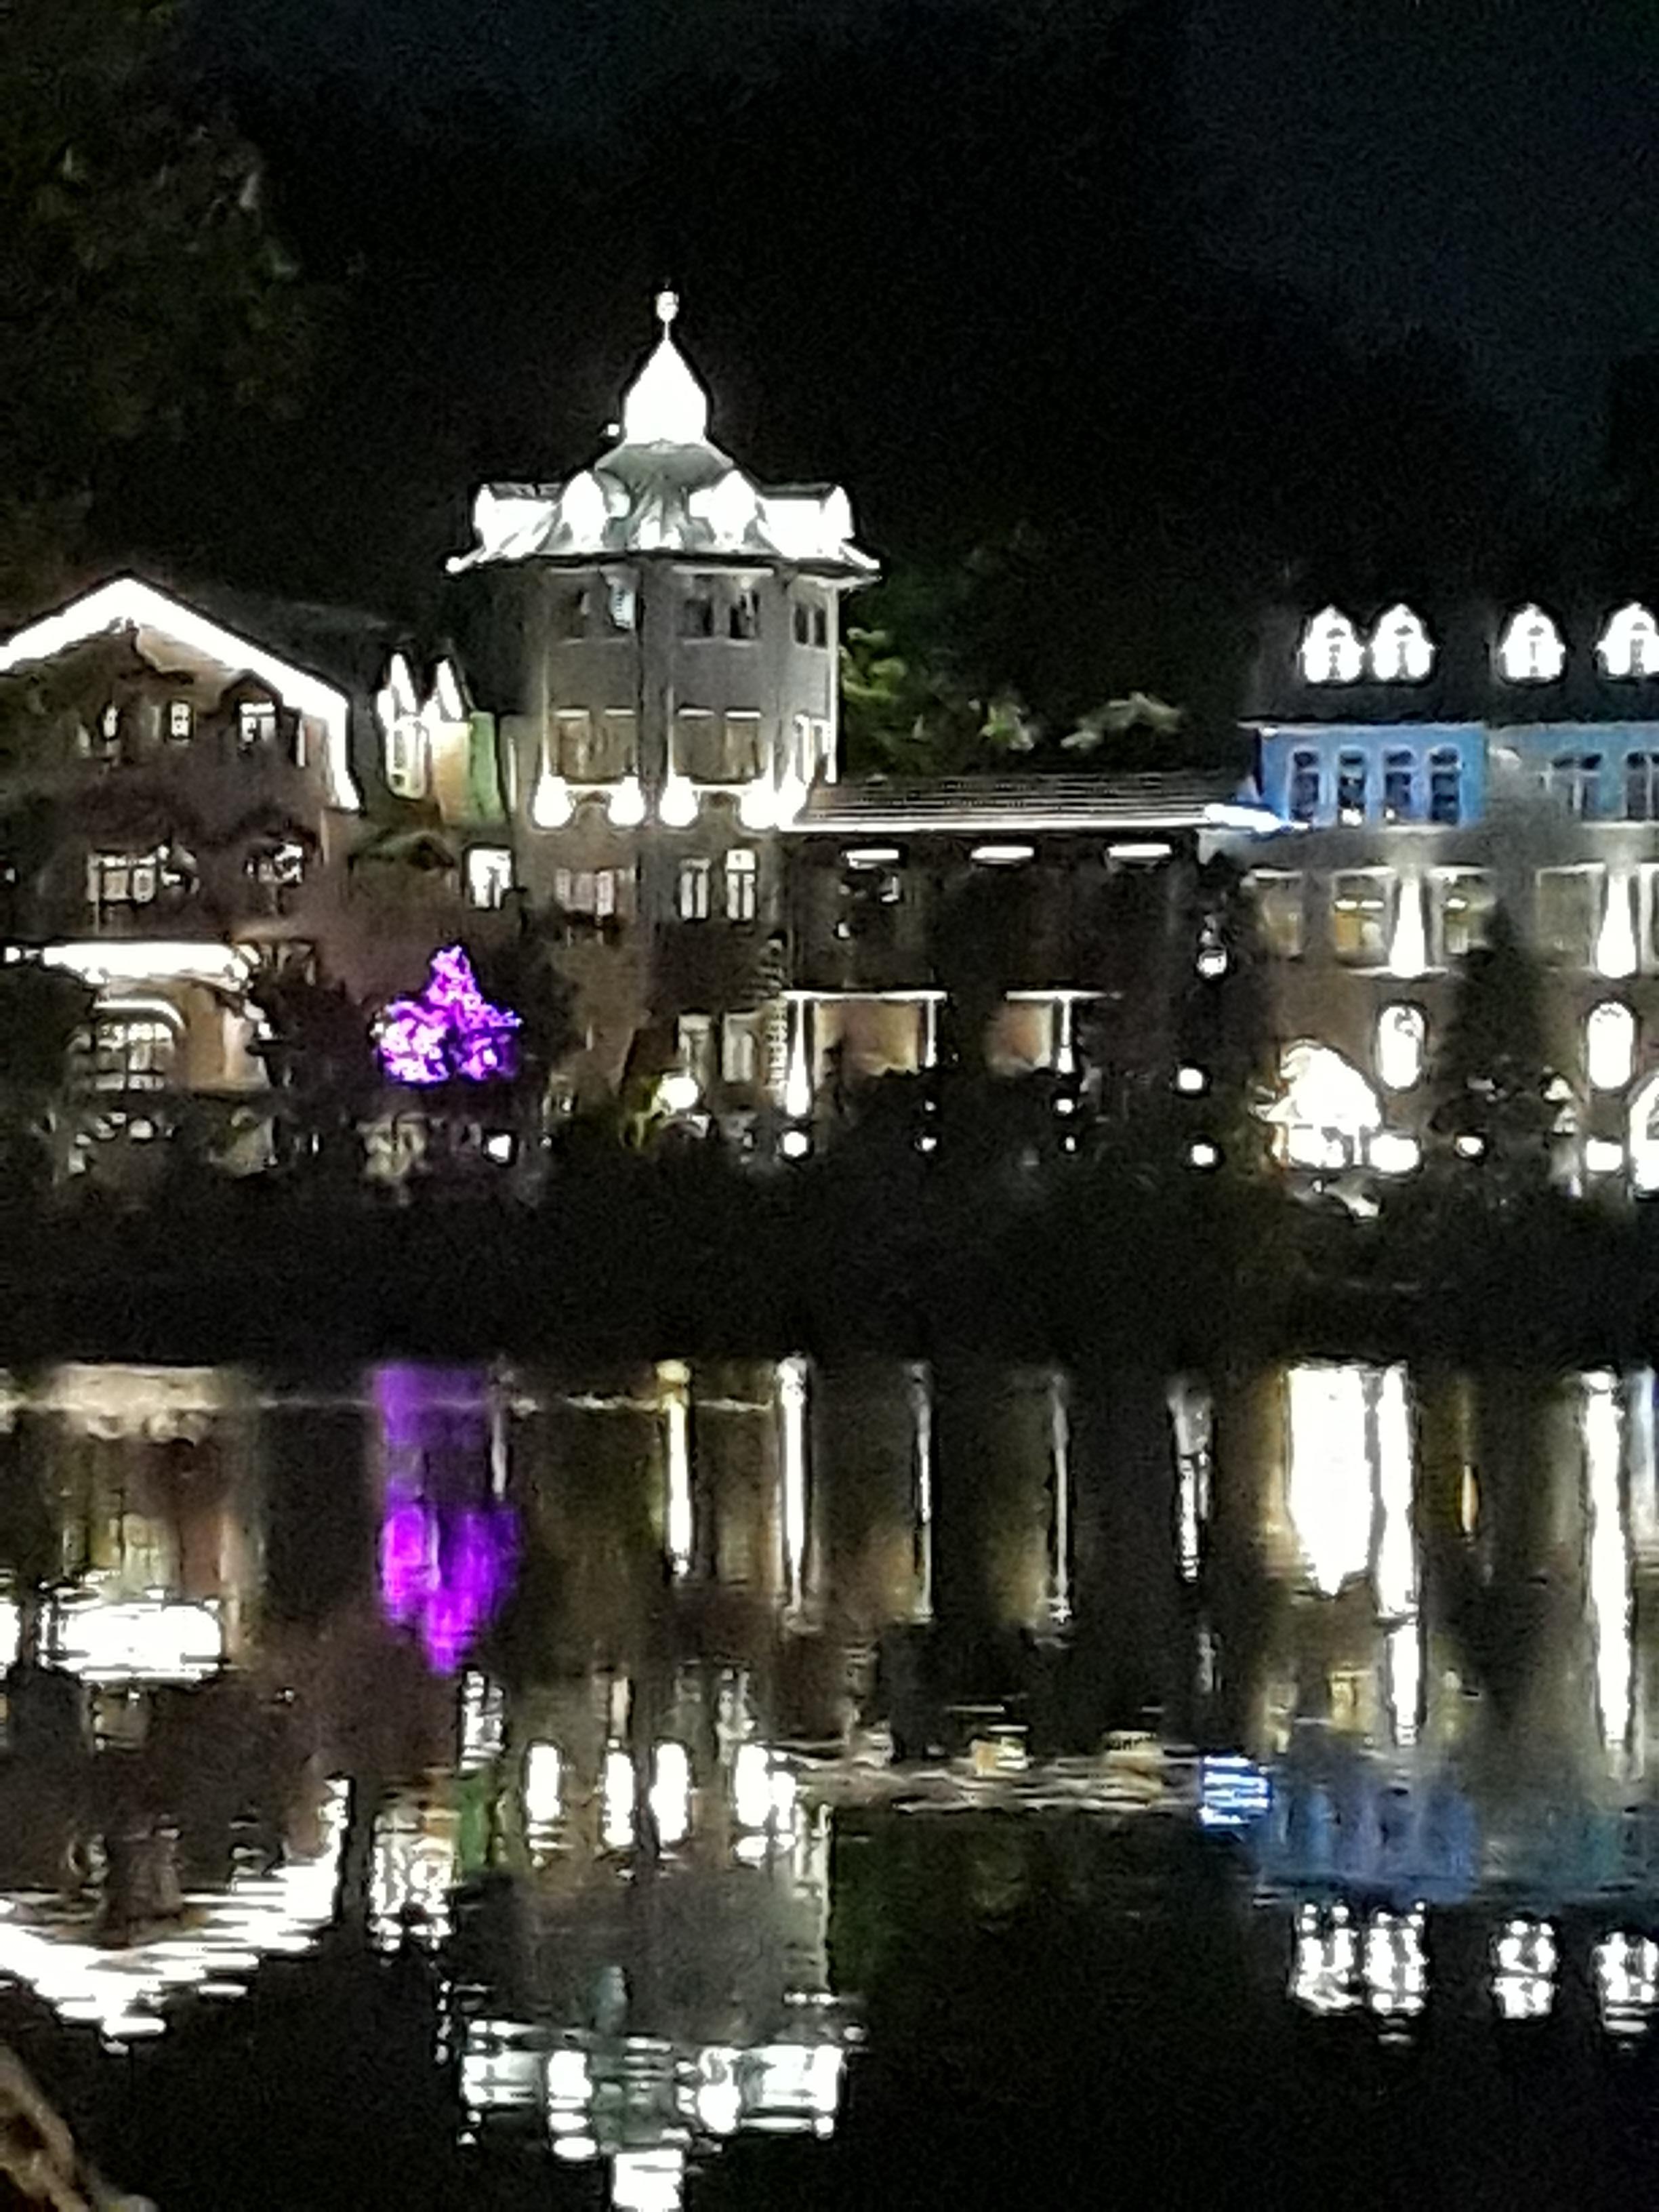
<point>1331,652</point>
<point>1530,650</point>
<point>1401,649</point>
<point>1609,1045</point>
<point>1401,1035</point>
<point>1630,643</point>
<point>1324,1111</point>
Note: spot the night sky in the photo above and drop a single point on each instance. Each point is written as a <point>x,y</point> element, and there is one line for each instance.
<point>1285,289</point>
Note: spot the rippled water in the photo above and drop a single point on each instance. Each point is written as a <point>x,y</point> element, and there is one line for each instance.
<point>733,1769</point>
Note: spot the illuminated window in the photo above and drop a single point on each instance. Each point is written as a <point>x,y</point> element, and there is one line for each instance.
<point>277,868</point>
<point>119,880</point>
<point>1530,650</point>
<point>1359,917</point>
<point>1642,786</point>
<point>1351,777</point>
<point>574,749</point>
<point>692,897</point>
<point>1324,1111</point>
<point>698,750</point>
<point>739,1048</point>
<point>133,1051</point>
<point>1445,787</point>
<point>594,894</point>
<point>742,886</point>
<point>618,750</point>
<point>1463,911</point>
<point>1401,649</point>
<point>1398,787</point>
<point>1305,786</point>
<point>180,719</point>
<point>1568,900</point>
<point>1401,1035</point>
<point>256,724</point>
<point>1630,643</point>
<point>1330,652</point>
<point>1573,778</point>
<point>1609,1045</point>
<point>1278,913</point>
<point>743,616</point>
<point>488,875</point>
<point>695,1036</point>
<point>812,620</point>
<point>697,614</point>
<point>740,757</point>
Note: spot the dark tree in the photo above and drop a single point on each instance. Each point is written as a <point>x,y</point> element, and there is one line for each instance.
<point>1491,1086</point>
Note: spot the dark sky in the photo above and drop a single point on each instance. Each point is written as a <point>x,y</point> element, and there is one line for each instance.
<point>1486,168</point>
<point>1200,302</point>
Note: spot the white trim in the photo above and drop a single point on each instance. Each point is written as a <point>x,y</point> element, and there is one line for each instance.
<point>129,960</point>
<point>127,600</point>
<point>1215,814</point>
<point>887,997</point>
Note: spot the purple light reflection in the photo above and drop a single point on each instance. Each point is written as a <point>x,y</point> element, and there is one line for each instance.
<point>445,1570</point>
<point>452,1032</point>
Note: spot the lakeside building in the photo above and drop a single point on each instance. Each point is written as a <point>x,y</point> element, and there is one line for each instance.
<point>634,730</point>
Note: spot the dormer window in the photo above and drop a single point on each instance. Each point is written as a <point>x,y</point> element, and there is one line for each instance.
<point>1630,644</point>
<point>1530,650</point>
<point>1331,652</point>
<point>1401,650</point>
<point>181,720</point>
<point>256,724</point>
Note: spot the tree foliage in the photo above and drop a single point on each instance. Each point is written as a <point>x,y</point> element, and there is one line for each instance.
<point>141,287</point>
<point>1492,1081</point>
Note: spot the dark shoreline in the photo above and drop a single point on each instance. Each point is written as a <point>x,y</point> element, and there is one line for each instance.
<point>650,1259</point>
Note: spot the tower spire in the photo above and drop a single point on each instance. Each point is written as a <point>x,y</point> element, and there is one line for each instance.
<point>666,406</point>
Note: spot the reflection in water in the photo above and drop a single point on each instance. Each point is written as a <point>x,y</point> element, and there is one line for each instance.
<point>568,1686</point>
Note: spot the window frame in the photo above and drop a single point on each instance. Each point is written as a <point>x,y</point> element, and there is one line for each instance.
<point>741,886</point>
<point>692,888</point>
<point>1387,884</point>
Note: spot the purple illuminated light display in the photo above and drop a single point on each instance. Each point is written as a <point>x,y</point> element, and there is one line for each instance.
<point>451,1032</point>
<point>445,1567</point>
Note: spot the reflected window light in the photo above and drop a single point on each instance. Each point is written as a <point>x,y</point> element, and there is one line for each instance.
<point>1603,1156</point>
<point>1602,1432</point>
<point>1325,1964</point>
<point>570,2082</point>
<point>144,1639</point>
<point>671,1793</point>
<point>1626,1971</point>
<point>762,1789</point>
<point>792,1412</point>
<point>1468,1146</point>
<point>1609,1045</point>
<point>1396,1974</point>
<point>1203,1154</point>
<point>1329,1487</point>
<point>673,1382</point>
<point>1405,1665</point>
<point>617,1812</point>
<point>648,2180</point>
<point>1523,1969</point>
<point>795,2085</point>
<point>1190,1081</point>
<point>543,1782</point>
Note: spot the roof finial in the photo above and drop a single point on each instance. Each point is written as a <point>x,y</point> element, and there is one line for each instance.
<point>668,305</point>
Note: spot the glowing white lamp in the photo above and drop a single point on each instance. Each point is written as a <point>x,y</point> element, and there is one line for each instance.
<point>1330,652</point>
<point>1609,1045</point>
<point>627,804</point>
<point>550,804</point>
<point>1629,645</point>
<point>677,809</point>
<point>1401,650</point>
<point>1530,650</point>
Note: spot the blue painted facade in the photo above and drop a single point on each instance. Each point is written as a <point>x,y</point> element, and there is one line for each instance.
<point>1374,773</point>
<point>1329,774</point>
